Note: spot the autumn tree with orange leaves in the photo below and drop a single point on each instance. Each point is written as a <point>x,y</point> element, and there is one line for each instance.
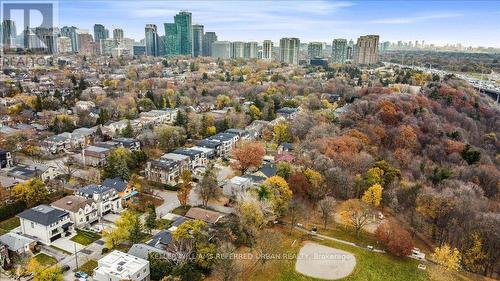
<point>248,155</point>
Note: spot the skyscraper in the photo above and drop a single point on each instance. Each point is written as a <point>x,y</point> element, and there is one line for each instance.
<point>9,33</point>
<point>151,40</point>
<point>99,32</point>
<point>221,49</point>
<point>85,43</point>
<point>197,40</point>
<point>315,50</point>
<point>118,34</point>
<point>70,32</point>
<point>289,50</point>
<point>250,50</point>
<point>184,33</point>
<point>367,50</point>
<point>267,50</point>
<point>171,40</point>
<point>208,39</point>
<point>237,49</point>
<point>339,51</point>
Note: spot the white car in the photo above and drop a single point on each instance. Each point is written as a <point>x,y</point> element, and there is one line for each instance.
<point>97,228</point>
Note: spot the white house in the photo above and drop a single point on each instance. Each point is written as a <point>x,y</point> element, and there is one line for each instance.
<point>117,266</point>
<point>45,223</point>
<point>82,211</point>
<point>105,197</point>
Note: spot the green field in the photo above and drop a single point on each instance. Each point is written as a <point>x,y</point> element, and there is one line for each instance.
<point>85,237</point>
<point>45,260</point>
<point>87,267</point>
<point>369,265</point>
<point>9,224</point>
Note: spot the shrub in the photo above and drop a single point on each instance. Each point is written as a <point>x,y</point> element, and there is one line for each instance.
<point>396,239</point>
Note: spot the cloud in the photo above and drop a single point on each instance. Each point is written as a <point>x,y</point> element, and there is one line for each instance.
<point>414,19</point>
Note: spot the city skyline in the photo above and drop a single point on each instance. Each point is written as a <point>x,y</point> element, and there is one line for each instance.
<point>434,22</point>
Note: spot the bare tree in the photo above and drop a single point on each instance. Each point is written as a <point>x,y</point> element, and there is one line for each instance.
<point>326,207</point>
<point>226,268</point>
<point>208,188</point>
<point>295,211</point>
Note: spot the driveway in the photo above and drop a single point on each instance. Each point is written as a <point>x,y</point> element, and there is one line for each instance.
<point>170,202</point>
<point>66,244</point>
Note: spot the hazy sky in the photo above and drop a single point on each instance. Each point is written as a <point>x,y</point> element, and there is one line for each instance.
<point>467,22</point>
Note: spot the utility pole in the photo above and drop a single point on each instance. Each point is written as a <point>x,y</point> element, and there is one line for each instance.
<point>76,256</point>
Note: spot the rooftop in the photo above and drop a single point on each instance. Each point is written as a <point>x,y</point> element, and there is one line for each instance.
<point>204,215</point>
<point>43,214</point>
<point>121,265</point>
<point>71,203</point>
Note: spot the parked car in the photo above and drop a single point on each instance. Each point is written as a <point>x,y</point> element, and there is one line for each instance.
<point>81,274</point>
<point>65,268</point>
<point>96,228</point>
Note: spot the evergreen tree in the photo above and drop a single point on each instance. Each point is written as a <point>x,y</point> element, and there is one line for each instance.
<point>128,132</point>
<point>135,234</point>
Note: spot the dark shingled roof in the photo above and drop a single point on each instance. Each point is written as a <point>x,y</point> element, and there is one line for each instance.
<point>43,214</point>
<point>117,183</point>
<point>163,237</point>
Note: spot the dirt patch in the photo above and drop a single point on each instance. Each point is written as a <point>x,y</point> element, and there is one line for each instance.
<point>324,262</point>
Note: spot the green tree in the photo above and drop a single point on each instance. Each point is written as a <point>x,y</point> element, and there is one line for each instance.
<point>150,222</point>
<point>128,132</point>
<point>117,163</point>
<point>32,192</point>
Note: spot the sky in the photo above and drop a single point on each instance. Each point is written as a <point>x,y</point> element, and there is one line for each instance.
<point>471,23</point>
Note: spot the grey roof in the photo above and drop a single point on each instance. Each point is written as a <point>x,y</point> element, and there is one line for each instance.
<point>117,183</point>
<point>222,137</point>
<point>97,149</point>
<point>15,241</point>
<point>164,163</point>
<point>43,214</point>
<point>238,132</point>
<point>287,110</point>
<point>163,237</point>
<point>179,221</point>
<point>143,250</point>
<point>269,169</point>
<point>94,189</point>
<point>209,143</point>
<point>254,178</point>
<point>57,138</point>
<point>188,152</point>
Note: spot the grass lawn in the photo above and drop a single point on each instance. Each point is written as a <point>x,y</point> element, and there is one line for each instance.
<point>343,232</point>
<point>9,224</point>
<point>45,260</point>
<point>60,250</point>
<point>122,247</point>
<point>87,267</point>
<point>181,211</point>
<point>85,237</point>
<point>369,265</point>
<point>163,224</point>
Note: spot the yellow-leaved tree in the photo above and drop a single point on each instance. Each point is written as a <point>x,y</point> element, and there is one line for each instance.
<point>447,257</point>
<point>373,195</point>
<point>280,194</point>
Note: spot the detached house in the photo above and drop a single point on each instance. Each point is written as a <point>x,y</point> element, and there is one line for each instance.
<point>45,223</point>
<point>105,197</point>
<point>162,171</point>
<point>124,190</point>
<point>82,211</point>
<point>287,112</point>
<point>95,155</point>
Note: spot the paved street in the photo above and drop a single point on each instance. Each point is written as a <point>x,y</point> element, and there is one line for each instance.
<point>170,202</point>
